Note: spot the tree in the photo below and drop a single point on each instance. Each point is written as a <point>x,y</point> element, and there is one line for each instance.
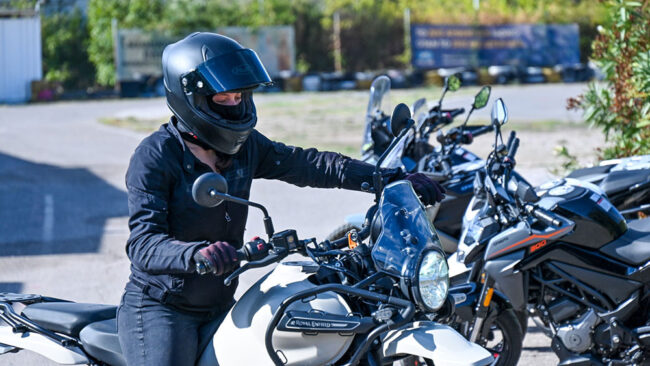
<point>620,106</point>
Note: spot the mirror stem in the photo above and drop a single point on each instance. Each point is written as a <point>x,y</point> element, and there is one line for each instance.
<point>268,223</point>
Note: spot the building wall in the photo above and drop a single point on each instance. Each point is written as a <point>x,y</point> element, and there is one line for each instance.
<point>20,58</point>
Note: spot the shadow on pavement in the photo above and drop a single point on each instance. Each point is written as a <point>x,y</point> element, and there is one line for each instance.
<point>45,209</point>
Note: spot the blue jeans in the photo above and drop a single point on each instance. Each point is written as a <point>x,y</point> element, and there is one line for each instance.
<point>152,333</point>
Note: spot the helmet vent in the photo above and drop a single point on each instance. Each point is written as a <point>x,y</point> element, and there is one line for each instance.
<point>207,53</point>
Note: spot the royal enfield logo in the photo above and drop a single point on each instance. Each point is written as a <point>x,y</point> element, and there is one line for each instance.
<point>319,324</point>
<point>309,323</point>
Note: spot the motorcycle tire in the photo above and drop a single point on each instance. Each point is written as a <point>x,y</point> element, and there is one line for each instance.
<point>508,350</point>
<point>341,231</point>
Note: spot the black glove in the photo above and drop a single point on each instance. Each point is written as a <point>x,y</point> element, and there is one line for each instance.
<point>218,257</point>
<point>430,190</point>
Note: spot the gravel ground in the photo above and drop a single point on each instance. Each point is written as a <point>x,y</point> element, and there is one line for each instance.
<point>63,203</point>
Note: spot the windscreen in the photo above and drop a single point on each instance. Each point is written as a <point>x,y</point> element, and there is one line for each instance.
<point>405,230</point>
<point>379,91</point>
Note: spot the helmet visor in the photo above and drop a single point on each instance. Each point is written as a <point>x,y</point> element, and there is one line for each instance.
<point>236,71</point>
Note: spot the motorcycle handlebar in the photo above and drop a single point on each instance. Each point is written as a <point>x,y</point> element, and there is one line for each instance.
<point>511,139</point>
<point>482,130</point>
<point>512,151</point>
<point>547,217</point>
<point>453,113</point>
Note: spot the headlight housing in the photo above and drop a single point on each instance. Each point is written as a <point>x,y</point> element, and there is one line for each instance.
<point>431,284</point>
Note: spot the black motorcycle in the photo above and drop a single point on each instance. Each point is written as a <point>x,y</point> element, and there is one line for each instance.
<point>562,254</point>
<point>449,163</point>
<point>626,182</point>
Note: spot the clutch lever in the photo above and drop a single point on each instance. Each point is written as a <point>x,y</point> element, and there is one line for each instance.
<point>274,256</point>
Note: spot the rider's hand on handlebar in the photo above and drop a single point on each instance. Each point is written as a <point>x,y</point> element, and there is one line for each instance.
<point>219,257</point>
<point>430,191</point>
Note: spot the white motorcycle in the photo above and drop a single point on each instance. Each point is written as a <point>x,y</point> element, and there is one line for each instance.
<point>366,299</point>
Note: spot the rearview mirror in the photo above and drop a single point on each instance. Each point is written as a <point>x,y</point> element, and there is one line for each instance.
<point>499,113</point>
<point>481,99</point>
<point>399,118</point>
<point>452,82</point>
<point>205,187</point>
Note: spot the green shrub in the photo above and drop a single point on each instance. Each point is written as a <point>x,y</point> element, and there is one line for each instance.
<point>620,105</point>
<point>65,56</point>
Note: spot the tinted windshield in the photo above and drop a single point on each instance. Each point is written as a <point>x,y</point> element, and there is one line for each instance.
<point>405,230</point>
<point>379,91</point>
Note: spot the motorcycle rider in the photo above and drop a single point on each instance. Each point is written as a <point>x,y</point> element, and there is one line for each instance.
<point>208,80</point>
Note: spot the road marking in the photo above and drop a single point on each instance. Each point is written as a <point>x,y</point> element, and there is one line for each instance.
<point>48,219</point>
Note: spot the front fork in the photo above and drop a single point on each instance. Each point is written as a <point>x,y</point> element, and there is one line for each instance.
<point>482,307</point>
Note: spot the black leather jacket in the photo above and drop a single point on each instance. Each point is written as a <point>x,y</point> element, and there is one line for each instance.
<point>167,226</point>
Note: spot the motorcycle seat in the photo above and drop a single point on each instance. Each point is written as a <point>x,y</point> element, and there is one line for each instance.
<point>620,181</point>
<point>633,247</point>
<point>100,340</point>
<point>67,317</point>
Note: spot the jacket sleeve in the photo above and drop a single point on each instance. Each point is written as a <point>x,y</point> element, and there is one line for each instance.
<point>313,168</point>
<point>150,247</point>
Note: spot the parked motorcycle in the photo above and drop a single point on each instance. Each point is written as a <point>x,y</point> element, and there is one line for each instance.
<point>449,163</point>
<point>357,300</point>
<point>626,182</point>
<point>562,254</point>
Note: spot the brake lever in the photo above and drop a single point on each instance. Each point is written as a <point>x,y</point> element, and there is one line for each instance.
<point>274,256</point>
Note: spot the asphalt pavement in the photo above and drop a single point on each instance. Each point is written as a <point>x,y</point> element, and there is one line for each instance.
<point>63,213</point>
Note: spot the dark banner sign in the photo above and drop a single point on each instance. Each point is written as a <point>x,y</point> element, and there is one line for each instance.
<point>436,46</point>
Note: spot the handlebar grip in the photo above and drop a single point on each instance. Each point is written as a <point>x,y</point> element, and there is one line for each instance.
<point>482,130</point>
<point>513,150</point>
<point>455,112</point>
<point>546,217</point>
<point>241,254</point>
<point>511,139</point>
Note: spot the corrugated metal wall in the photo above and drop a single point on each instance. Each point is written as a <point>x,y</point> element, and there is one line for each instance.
<point>20,58</point>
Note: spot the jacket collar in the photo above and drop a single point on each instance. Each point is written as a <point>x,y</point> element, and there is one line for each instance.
<point>188,157</point>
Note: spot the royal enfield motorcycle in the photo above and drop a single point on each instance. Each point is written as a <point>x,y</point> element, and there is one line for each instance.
<point>365,299</point>
<point>562,254</point>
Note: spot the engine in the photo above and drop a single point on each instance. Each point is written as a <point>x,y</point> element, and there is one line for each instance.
<point>577,335</point>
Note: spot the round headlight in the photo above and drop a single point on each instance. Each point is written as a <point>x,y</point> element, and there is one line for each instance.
<point>433,280</point>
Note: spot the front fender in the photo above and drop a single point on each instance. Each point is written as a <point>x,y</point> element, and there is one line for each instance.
<point>437,342</point>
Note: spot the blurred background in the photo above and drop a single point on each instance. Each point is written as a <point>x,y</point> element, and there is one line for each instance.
<point>80,87</point>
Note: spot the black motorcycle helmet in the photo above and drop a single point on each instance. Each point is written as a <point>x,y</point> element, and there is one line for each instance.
<point>201,65</point>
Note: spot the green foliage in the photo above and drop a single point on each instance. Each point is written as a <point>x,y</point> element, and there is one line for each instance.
<point>621,105</point>
<point>65,42</point>
<point>376,25</point>
<point>145,14</point>
<point>569,161</point>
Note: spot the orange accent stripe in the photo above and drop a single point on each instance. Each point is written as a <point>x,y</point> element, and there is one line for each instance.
<point>531,238</point>
<point>488,297</point>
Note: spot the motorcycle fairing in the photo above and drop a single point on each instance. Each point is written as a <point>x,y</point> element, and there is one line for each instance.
<point>508,279</point>
<point>240,337</point>
<point>437,342</point>
<point>521,236</point>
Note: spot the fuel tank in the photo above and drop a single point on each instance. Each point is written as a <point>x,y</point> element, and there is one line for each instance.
<point>597,221</point>
<point>240,338</point>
